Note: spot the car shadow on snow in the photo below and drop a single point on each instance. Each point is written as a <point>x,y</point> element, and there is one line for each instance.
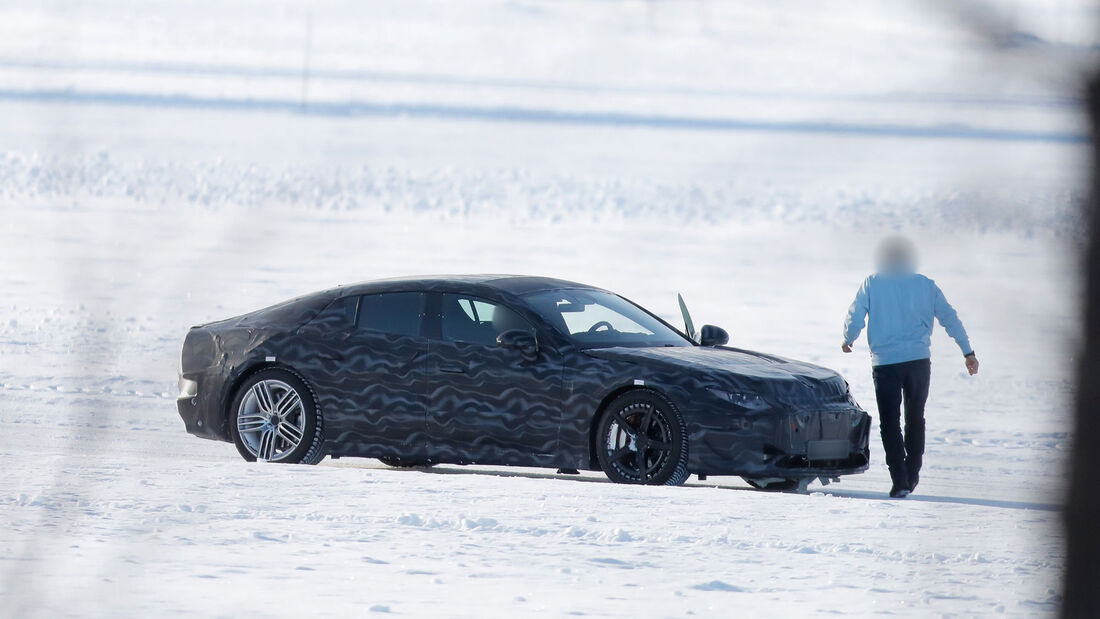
<point>598,478</point>
<point>929,498</point>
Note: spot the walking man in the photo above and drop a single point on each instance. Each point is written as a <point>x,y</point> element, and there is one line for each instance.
<point>901,305</point>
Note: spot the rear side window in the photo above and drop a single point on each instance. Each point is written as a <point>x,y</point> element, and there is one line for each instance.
<point>339,316</point>
<point>396,313</point>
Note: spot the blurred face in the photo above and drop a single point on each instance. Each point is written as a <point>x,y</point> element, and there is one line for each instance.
<point>896,254</point>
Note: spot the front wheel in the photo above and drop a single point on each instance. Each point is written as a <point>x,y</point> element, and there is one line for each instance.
<point>274,418</point>
<point>641,440</point>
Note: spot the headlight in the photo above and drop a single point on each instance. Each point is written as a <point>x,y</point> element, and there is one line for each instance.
<point>745,400</point>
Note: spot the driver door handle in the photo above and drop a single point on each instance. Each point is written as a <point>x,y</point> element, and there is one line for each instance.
<point>451,368</point>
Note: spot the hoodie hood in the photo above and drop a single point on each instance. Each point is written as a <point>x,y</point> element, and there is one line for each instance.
<point>778,380</point>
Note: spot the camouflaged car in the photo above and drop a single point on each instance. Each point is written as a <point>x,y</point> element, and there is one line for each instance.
<point>509,370</point>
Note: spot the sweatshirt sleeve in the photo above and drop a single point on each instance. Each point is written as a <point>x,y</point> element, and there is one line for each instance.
<point>949,318</point>
<point>857,314</point>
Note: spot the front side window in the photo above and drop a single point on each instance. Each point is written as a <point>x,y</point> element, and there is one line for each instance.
<point>597,319</point>
<point>396,313</point>
<point>477,321</point>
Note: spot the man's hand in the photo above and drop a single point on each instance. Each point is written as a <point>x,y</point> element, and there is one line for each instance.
<point>846,348</point>
<point>972,364</point>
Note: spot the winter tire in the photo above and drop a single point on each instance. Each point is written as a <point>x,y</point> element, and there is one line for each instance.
<point>274,418</point>
<point>641,440</point>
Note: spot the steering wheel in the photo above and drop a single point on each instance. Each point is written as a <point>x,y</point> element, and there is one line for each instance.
<point>603,323</point>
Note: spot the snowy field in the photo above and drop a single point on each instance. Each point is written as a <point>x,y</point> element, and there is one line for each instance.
<point>158,169</point>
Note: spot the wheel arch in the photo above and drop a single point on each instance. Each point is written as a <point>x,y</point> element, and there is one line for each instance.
<point>251,369</point>
<point>318,451</point>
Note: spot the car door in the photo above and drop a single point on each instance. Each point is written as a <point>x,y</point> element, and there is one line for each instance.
<point>376,398</point>
<point>489,404</point>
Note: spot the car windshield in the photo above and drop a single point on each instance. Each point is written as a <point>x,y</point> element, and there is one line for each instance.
<point>596,319</point>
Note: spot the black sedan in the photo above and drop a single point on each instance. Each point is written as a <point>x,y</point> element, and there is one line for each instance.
<point>507,370</point>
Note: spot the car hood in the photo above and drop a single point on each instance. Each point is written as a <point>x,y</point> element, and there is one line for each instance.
<point>782,381</point>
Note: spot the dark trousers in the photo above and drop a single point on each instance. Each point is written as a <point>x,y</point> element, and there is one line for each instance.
<point>897,384</point>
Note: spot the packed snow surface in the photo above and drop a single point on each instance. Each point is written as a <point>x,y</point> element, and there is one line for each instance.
<point>166,166</point>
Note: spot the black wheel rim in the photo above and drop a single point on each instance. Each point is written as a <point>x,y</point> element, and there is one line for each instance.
<point>639,441</point>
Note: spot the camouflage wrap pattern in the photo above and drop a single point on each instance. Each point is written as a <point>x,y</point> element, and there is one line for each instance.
<point>424,399</point>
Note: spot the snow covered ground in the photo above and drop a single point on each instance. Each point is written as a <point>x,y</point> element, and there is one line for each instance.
<point>158,169</point>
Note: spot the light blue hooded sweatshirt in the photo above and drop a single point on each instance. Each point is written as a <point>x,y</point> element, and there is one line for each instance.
<point>901,305</point>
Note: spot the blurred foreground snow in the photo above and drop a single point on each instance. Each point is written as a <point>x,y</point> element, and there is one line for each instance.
<point>155,173</point>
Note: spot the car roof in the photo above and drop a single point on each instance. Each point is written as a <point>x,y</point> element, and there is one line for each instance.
<point>513,284</point>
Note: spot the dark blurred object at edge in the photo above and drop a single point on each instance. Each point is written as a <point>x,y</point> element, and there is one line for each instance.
<point>1081,597</point>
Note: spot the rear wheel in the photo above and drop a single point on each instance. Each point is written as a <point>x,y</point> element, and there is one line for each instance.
<point>274,418</point>
<point>641,440</point>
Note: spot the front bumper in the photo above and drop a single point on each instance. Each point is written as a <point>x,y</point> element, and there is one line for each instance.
<point>825,442</point>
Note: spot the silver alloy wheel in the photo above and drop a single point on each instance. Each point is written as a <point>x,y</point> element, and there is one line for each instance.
<point>271,420</point>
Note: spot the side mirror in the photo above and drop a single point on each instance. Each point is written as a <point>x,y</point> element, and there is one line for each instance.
<point>523,341</point>
<point>711,335</point>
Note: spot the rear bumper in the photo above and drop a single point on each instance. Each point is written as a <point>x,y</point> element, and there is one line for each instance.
<point>827,442</point>
<point>189,413</point>
<point>199,408</point>
<point>201,379</point>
